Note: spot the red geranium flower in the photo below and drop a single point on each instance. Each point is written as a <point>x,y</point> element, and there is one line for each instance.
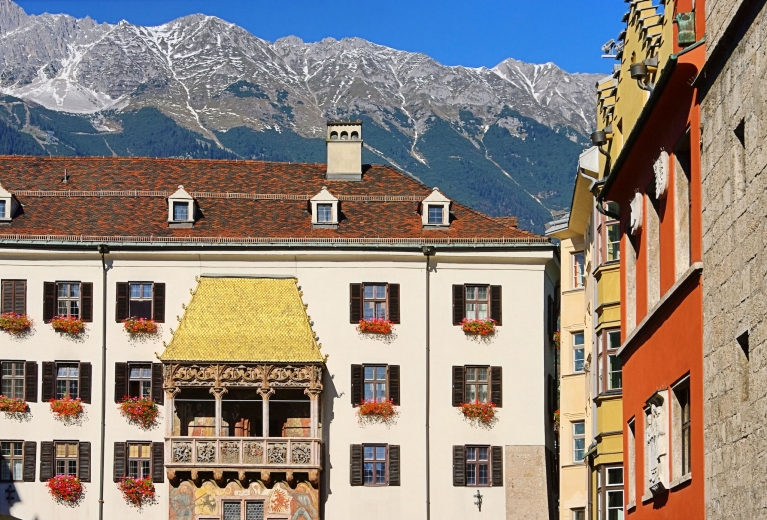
<point>68,324</point>
<point>375,326</point>
<point>66,489</point>
<point>137,492</point>
<point>15,323</point>
<point>141,411</point>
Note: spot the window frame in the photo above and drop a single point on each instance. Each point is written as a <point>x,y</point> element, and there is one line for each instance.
<point>56,378</point>
<point>10,458</point>
<point>681,428</point>
<point>321,207</point>
<point>142,299</point>
<point>477,462</point>
<point>69,459</point>
<point>376,300</point>
<point>13,281</point>
<point>579,270</point>
<point>477,383</point>
<point>578,347</point>
<point>13,377</point>
<point>68,300</point>
<point>243,506</point>
<point>375,461</point>
<point>139,380</point>
<point>605,369</point>
<point>441,209</point>
<point>375,381</point>
<point>179,204</point>
<point>605,488</point>
<point>603,241</point>
<point>578,437</point>
<point>3,208</point>
<point>477,301</point>
<point>138,459</point>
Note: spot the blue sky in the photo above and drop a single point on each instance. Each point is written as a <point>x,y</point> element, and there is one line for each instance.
<point>454,32</point>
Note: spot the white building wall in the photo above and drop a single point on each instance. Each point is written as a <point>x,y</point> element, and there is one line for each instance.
<point>520,347</point>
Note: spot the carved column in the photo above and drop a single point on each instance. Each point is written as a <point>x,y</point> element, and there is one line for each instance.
<point>314,409</point>
<point>218,393</point>
<point>265,394</point>
<point>170,409</point>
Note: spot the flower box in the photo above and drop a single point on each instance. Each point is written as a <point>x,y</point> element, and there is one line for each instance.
<point>556,421</point>
<point>68,325</point>
<point>141,411</point>
<point>477,412</point>
<point>135,326</point>
<point>15,323</point>
<point>137,492</point>
<point>375,326</point>
<point>377,411</point>
<point>483,327</point>
<point>13,405</point>
<point>555,338</point>
<point>66,489</point>
<point>66,407</point>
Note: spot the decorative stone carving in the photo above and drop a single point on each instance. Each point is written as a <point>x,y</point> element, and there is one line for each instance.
<point>230,452</point>
<point>301,453</point>
<point>206,452</point>
<point>216,375</point>
<point>253,453</point>
<point>182,452</point>
<point>277,453</point>
<point>656,445</point>
<point>660,166</point>
<point>637,205</point>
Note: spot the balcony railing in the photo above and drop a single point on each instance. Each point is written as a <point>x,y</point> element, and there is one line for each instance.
<point>275,453</point>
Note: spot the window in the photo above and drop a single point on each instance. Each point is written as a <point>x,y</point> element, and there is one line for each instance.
<point>69,299</point>
<point>14,297</point>
<point>375,383</point>
<point>374,302</point>
<point>141,296</point>
<point>477,302</point>
<point>12,379</point>
<point>435,214</point>
<point>632,461</point>
<point>235,510</point>
<point>139,460</point>
<point>613,242</point>
<point>681,430</point>
<point>324,213</point>
<point>181,211</point>
<point>579,440</point>
<point>66,458</point>
<point>609,365</point>
<point>579,266</point>
<point>67,380</point>
<point>610,492</point>
<point>374,468</point>
<point>11,461</point>
<point>140,381</point>
<point>2,209</point>
<point>476,384</point>
<point>477,465</point>
<point>578,351</point>
<point>579,514</point>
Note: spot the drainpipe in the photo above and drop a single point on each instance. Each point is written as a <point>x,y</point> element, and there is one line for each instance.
<point>428,251</point>
<point>103,250</point>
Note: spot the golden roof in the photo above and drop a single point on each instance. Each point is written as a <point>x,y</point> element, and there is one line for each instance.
<point>245,320</point>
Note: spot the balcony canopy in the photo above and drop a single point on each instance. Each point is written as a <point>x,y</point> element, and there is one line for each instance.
<point>244,320</point>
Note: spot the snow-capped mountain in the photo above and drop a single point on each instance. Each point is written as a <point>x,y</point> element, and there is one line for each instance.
<point>211,76</point>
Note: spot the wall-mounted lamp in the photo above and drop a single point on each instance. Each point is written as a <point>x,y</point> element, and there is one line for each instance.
<point>601,138</point>
<point>10,494</point>
<point>641,72</point>
<point>478,502</point>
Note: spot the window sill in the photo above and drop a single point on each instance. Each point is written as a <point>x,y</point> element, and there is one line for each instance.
<point>681,480</point>
<point>436,226</point>
<point>324,226</point>
<point>573,374</point>
<point>631,505</point>
<point>577,289</point>
<point>180,225</point>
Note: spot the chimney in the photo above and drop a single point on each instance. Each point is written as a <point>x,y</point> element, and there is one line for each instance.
<point>344,143</point>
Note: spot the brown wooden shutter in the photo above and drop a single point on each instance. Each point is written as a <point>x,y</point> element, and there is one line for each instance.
<point>496,386</point>
<point>50,304</point>
<point>355,465</point>
<point>119,460</point>
<point>158,305</point>
<point>394,303</point>
<point>158,462</point>
<point>7,305</point>
<point>121,381</point>
<point>46,461</point>
<point>357,377</point>
<point>20,297</point>
<point>30,381</point>
<point>458,386</point>
<point>394,473</point>
<point>84,461</point>
<point>121,305</point>
<point>459,466</point>
<point>86,296</point>
<point>355,302</point>
<point>496,309</point>
<point>496,461</point>
<point>158,395</point>
<point>86,372</point>
<point>458,306</point>
<point>394,384</point>
<point>49,369</point>
<point>30,454</point>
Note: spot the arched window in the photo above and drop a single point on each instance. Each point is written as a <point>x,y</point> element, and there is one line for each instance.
<point>355,136</point>
<point>344,136</point>
<point>334,136</point>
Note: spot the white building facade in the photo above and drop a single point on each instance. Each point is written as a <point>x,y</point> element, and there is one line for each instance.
<point>295,382</point>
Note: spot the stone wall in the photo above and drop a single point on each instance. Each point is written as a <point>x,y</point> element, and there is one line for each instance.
<point>734,184</point>
<point>528,489</point>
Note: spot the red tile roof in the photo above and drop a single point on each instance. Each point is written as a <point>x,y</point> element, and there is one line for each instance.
<point>236,199</point>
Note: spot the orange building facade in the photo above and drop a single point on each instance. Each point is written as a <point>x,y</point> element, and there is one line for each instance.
<point>653,187</point>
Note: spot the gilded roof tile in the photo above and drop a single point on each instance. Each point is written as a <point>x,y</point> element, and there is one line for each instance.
<point>245,320</point>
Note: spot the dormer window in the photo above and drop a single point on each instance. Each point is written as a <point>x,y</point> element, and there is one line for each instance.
<point>324,210</point>
<point>435,211</point>
<point>8,205</point>
<point>181,209</point>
